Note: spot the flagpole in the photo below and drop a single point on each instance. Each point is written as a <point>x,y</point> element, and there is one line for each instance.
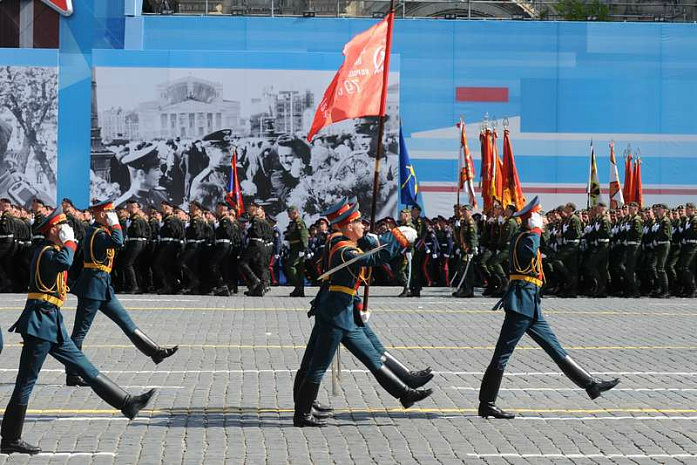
<point>381,132</point>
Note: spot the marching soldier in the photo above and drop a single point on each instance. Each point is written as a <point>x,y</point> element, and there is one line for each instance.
<point>444,235</point>
<point>688,251</point>
<point>566,259</point>
<point>221,251</point>
<point>488,244</point>
<point>468,249</point>
<point>419,254</point>
<point>597,265</point>
<point>95,293</point>
<point>677,229</point>
<point>138,233</point>
<point>340,319</point>
<point>252,260</point>
<point>521,304</point>
<point>167,266</point>
<point>498,263</point>
<point>661,248</point>
<point>7,244</point>
<point>632,248</point>
<point>43,333</point>
<point>647,252</point>
<point>403,266</point>
<point>195,234</point>
<point>297,236</point>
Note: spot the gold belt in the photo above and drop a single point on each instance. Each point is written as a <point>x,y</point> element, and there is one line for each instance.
<point>344,289</point>
<point>530,279</point>
<point>46,298</point>
<point>97,266</point>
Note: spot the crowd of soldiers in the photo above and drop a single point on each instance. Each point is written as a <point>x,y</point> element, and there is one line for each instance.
<point>628,251</point>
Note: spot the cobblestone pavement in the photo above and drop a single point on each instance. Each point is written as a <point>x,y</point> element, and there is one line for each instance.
<point>226,397</point>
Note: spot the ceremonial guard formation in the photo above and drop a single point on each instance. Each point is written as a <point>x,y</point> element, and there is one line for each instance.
<point>43,333</point>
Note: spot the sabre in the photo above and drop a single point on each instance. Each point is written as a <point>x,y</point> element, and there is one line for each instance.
<point>454,276</point>
<point>350,262</point>
<point>469,260</point>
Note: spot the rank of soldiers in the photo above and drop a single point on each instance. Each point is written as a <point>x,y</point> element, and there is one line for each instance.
<point>628,251</point>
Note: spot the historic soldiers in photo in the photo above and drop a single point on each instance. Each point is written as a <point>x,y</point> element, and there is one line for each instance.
<point>43,333</point>
<point>95,293</point>
<point>523,314</point>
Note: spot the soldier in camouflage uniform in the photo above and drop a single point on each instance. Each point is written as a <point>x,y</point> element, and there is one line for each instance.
<point>468,249</point>
<point>599,246</point>
<point>566,259</point>
<point>297,236</point>
<point>688,251</point>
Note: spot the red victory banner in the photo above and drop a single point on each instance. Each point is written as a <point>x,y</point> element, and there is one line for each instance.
<point>628,178</point>
<point>512,189</point>
<point>636,180</point>
<point>357,88</point>
<point>234,195</point>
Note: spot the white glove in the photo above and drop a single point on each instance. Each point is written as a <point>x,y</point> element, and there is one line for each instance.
<point>535,220</point>
<point>66,233</point>
<point>112,219</point>
<point>365,316</point>
<point>372,236</point>
<point>435,255</point>
<point>301,254</point>
<point>409,233</point>
<point>286,244</point>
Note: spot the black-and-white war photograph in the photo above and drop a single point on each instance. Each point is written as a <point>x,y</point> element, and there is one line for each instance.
<point>28,133</point>
<point>170,134</point>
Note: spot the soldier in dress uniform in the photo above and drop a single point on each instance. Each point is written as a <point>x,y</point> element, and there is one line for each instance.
<point>444,236</point>
<point>252,264</point>
<point>468,250</point>
<point>37,207</point>
<point>661,248</point>
<point>403,265</point>
<point>22,256</point>
<point>521,304</point>
<point>195,233</point>
<point>633,232</point>
<point>138,233</point>
<point>340,319</point>
<point>498,263</point>
<point>221,251</point>
<point>95,293</point>
<point>297,236</point>
<point>167,267</point>
<point>7,244</point>
<point>677,217</point>
<point>688,252</point>
<point>419,254</point>
<point>43,333</point>
<point>566,259</point>
<point>597,265</point>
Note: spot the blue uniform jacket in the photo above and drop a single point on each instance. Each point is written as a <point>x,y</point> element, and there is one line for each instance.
<point>340,308</point>
<point>41,319</point>
<point>94,283</point>
<point>523,297</point>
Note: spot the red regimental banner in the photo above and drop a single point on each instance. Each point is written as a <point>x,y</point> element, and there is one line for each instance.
<point>64,7</point>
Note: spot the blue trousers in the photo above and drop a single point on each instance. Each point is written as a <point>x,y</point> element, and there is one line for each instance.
<point>310,347</point>
<point>327,339</point>
<point>514,326</point>
<point>34,352</point>
<point>86,311</point>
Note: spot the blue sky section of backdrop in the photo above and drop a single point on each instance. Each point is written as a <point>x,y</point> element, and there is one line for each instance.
<point>565,84</point>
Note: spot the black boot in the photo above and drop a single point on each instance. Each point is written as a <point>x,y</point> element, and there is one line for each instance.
<point>581,378</point>
<point>318,410</point>
<point>11,431</point>
<point>488,394</point>
<point>396,387</point>
<point>74,380</point>
<point>303,406</point>
<point>298,292</point>
<point>112,394</point>
<point>413,379</point>
<point>150,348</point>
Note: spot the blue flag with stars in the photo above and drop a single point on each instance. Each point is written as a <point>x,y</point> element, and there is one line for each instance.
<point>408,185</point>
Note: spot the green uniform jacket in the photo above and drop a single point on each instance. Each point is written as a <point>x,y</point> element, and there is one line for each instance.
<point>468,236</point>
<point>297,236</point>
<point>93,283</point>
<point>42,319</point>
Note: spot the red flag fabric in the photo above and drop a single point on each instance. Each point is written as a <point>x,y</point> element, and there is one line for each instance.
<point>467,171</point>
<point>638,194</point>
<point>486,172</point>
<point>497,170</point>
<point>512,189</point>
<point>235,194</point>
<point>628,179</point>
<point>357,87</point>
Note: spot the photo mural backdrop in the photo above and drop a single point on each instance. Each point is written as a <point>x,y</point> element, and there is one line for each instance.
<point>28,133</point>
<point>170,134</point>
